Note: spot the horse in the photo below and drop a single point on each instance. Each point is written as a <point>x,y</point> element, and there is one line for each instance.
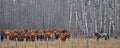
<point>99,35</point>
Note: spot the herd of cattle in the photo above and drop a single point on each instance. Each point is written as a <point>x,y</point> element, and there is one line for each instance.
<point>30,34</point>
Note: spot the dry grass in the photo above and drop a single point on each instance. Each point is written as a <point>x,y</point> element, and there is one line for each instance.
<point>72,43</point>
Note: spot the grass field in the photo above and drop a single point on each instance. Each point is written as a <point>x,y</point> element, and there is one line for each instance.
<point>71,43</point>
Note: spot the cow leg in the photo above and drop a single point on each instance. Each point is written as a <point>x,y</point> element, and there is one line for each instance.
<point>41,37</point>
<point>33,39</point>
<point>37,37</point>
<point>56,36</point>
<point>2,38</point>
<point>49,38</point>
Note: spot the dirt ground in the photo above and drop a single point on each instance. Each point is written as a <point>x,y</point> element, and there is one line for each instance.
<point>71,43</point>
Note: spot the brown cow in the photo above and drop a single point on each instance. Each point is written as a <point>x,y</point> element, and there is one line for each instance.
<point>47,34</point>
<point>67,35</point>
<point>30,35</point>
<point>64,36</point>
<point>7,33</point>
<point>27,36</point>
<point>20,34</point>
<point>41,34</point>
<point>12,35</point>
